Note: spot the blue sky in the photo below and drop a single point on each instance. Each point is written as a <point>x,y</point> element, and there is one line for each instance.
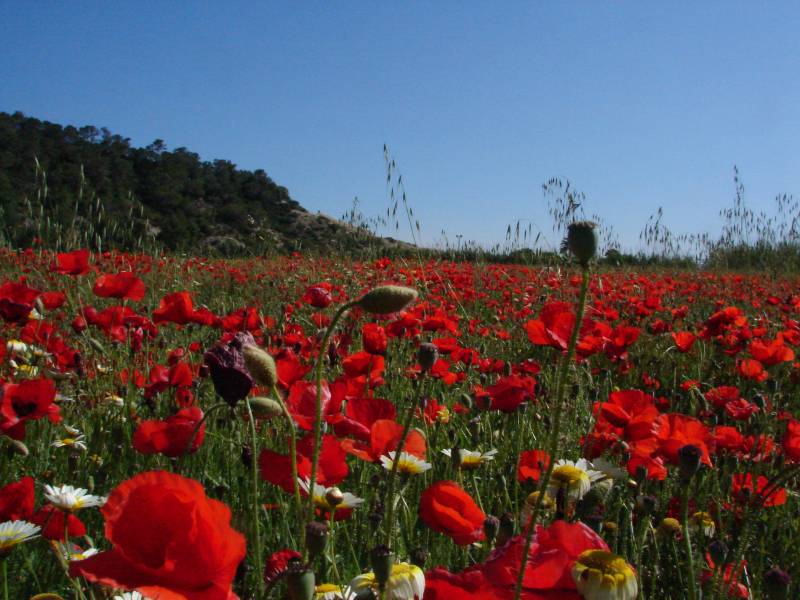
<point>638,104</point>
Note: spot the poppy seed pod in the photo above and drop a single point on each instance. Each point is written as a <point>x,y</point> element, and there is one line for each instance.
<point>582,241</point>
<point>299,581</point>
<point>427,354</point>
<point>316,538</point>
<point>261,366</point>
<point>387,299</point>
<point>381,559</point>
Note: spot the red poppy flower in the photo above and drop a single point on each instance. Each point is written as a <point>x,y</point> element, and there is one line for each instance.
<point>122,285</point>
<point>318,296</point>
<point>509,392</point>
<point>742,490</point>
<point>16,500</point>
<point>156,522</point>
<point>331,470</point>
<point>684,340</point>
<point>16,300</point>
<point>29,400</point>
<point>677,430</point>
<point>171,436</point>
<point>54,521</point>
<point>531,465</point>
<point>374,339</point>
<point>72,263</point>
<point>384,436</point>
<point>791,440</point>
<point>445,507</point>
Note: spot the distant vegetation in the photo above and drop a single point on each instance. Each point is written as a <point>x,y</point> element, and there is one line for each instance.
<point>84,186</point>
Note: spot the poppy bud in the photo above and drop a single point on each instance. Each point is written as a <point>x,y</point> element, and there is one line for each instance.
<point>261,366</point>
<point>427,354</point>
<point>18,447</point>
<point>264,408</point>
<point>316,538</point>
<point>776,584</point>
<point>387,299</point>
<point>582,241</point>
<point>647,504</point>
<point>300,581</point>
<point>381,559</point>
<point>334,496</point>
<point>490,528</point>
<point>689,461</point>
<point>506,529</point>
<point>418,556</point>
<point>718,551</point>
<point>247,456</point>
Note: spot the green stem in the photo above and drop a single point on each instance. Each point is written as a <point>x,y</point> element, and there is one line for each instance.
<point>256,504</point>
<point>556,431</point>
<point>691,584</point>
<point>389,500</point>
<point>318,409</point>
<point>5,578</point>
<point>197,427</point>
<point>292,450</point>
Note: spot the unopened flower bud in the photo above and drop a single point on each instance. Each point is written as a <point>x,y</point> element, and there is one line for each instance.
<point>582,241</point>
<point>387,299</point>
<point>506,530</point>
<point>689,461</point>
<point>261,366</point>
<point>718,550</point>
<point>334,496</point>
<point>776,584</point>
<point>264,408</point>
<point>491,525</point>
<point>427,354</point>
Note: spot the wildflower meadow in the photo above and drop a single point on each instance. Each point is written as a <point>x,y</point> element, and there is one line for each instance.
<point>312,427</point>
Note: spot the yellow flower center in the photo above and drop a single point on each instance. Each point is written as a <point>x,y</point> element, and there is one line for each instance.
<point>567,475</point>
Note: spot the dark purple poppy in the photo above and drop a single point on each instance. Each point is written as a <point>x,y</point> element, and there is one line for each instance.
<point>228,372</point>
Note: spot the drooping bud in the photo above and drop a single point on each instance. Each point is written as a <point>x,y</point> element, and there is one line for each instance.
<point>718,550</point>
<point>387,299</point>
<point>225,361</point>
<point>506,530</point>
<point>582,241</point>
<point>427,354</point>
<point>264,408</point>
<point>261,366</point>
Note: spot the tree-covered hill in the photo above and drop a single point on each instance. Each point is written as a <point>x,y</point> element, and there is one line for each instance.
<point>84,185</point>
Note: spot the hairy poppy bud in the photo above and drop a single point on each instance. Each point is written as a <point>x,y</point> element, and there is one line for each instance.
<point>261,366</point>
<point>381,559</point>
<point>264,408</point>
<point>427,354</point>
<point>582,241</point>
<point>647,504</point>
<point>19,447</point>
<point>299,581</point>
<point>689,461</point>
<point>387,299</point>
<point>776,584</point>
<point>316,538</point>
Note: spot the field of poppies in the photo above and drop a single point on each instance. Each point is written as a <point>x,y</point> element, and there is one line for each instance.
<point>181,428</point>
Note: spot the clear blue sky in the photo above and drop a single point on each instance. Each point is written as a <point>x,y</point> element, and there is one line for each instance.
<point>639,104</point>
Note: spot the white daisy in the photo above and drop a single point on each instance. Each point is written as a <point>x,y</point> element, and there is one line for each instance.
<point>130,596</point>
<point>73,551</point>
<point>471,459</point>
<point>575,479</point>
<point>71,442</point>
<point>70,498</point>
<point>406,582</point>
<point>322,496</point>
<point>16,532</point>
<point>328,591</point>
<point>408,463</point>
